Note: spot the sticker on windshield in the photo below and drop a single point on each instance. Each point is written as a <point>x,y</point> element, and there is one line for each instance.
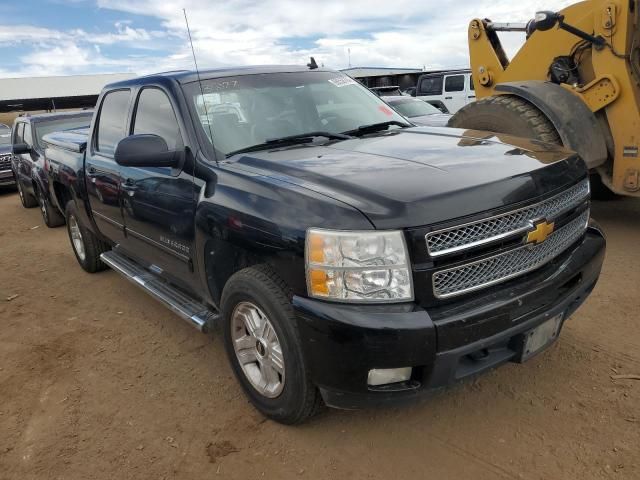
<point>386,110</point>
<point>342,81</point>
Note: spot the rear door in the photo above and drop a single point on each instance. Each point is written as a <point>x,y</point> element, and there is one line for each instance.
<point>455,92</point>
<point>159,203</point>
<point>102,172</point>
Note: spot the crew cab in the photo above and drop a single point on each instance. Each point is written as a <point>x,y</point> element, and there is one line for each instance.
<point>348,257</point>
<point>6,175</point>
<point>28,164</point>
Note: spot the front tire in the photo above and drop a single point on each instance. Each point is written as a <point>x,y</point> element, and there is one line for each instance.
<point>50,214</point>
<point>506,114</point>
<point>27,200</point>
<point>263,345</point>
<point>86,246</point>
<point>514,116</point>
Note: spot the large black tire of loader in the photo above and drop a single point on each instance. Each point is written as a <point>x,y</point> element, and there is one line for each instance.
<point>506,114</point>
<point>514,116</point>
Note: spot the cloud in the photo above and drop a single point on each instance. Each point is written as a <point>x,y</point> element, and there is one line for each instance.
<point>405,33</point>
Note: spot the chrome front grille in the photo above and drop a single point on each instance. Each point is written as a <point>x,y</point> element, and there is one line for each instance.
<point>463,237</point>
<point>5,162</point>
<point>504,266</point>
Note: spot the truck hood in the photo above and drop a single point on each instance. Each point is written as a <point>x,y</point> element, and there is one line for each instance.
<point>423,175</point>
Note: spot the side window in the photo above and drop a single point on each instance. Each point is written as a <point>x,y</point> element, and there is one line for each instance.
<point>454,83</point>
<point>112,121</point>
<point>155,115</point>
<point>471,85</point>
<point>28,138</point>
<point>431,86</point>
<point>18,136</point>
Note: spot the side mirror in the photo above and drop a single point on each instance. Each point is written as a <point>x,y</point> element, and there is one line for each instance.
<point>20,148</point>
<point>145,151</point>
<point>544,21</point>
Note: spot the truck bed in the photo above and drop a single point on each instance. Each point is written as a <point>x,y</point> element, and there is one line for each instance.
<point>74,140</point>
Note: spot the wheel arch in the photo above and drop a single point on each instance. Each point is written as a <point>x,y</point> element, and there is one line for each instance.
<point>576,124</point>
<point>224,259</point>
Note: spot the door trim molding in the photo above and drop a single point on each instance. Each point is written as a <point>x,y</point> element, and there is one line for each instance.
<point>106,219</point>
<point>159,245</point>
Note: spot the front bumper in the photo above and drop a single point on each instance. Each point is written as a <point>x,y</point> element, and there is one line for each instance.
<point>6,178</point>
<point>343,342</point>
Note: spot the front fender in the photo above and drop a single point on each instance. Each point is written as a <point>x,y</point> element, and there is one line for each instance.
<point>576,124</point>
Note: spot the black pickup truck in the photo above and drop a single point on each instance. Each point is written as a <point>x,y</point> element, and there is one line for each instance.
<point>28,163</point>
<point>349,257</point>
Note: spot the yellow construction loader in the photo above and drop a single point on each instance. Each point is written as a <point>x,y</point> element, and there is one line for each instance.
<point>575,81</point>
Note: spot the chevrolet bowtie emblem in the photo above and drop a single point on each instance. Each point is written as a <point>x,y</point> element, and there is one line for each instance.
<point>541,232</point>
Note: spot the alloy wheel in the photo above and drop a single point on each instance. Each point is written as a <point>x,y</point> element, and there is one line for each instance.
<point>76,238</point>
<point>43,207</point>
<point>258,349</point>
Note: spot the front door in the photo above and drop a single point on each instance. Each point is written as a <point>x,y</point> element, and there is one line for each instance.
<point>23,134</point>
<point>102,171</point>
<point>159,203</point>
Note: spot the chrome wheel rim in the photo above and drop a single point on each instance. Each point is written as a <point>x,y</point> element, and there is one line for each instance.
<point>43,208</point>
<point>76,238</point>
<point>20,192</point>
<point>258,349</point>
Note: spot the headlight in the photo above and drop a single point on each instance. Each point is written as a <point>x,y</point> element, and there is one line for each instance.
<point>350,266</point>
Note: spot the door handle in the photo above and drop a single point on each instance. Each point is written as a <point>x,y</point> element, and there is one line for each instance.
<point>448,98</point>
<point>471,96</point>
<point>92,171</point>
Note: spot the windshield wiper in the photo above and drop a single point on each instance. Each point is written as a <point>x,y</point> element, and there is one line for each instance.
<point>376,127</point>
<point>290,140</point>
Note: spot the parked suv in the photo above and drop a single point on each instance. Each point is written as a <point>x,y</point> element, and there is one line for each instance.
<point>29,165</point>
<point>6,175</point>
<point>452,89</point>
<point>347,256</point>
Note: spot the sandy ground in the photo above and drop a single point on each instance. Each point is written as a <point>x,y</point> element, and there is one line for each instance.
<point>97,380</point>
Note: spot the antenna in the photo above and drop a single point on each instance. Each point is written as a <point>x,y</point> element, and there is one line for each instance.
<point>312,64</point>
<point>204,102</point>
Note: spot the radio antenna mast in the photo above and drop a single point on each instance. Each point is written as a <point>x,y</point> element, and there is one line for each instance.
<point>195,62</point>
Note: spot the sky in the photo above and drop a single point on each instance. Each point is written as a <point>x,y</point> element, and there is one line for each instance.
<point>67,37</point>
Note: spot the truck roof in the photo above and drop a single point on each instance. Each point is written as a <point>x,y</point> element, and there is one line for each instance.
<point>189,76</point>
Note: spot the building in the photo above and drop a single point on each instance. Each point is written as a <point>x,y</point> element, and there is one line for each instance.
<point>385,76</point>
<point>54,93</point>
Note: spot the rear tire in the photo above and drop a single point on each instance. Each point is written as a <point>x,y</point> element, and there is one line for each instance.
<point>50,215</point>
<point>86,246</point>
<point>27,200</point>
<point>506,114</point>
<point>288,395</point>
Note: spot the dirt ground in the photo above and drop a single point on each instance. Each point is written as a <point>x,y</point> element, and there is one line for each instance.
<point>98,381</point>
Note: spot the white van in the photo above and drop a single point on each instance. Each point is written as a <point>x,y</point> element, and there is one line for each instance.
<point>451,88</point>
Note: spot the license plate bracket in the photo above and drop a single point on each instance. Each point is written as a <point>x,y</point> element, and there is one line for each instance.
<point>539,338</point>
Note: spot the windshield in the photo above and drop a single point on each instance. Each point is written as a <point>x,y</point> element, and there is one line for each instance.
<point>413,107</point>
<point>47,127</point>
<point>250,110</point>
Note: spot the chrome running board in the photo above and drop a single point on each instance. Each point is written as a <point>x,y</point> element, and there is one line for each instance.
<point>194,312</point>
